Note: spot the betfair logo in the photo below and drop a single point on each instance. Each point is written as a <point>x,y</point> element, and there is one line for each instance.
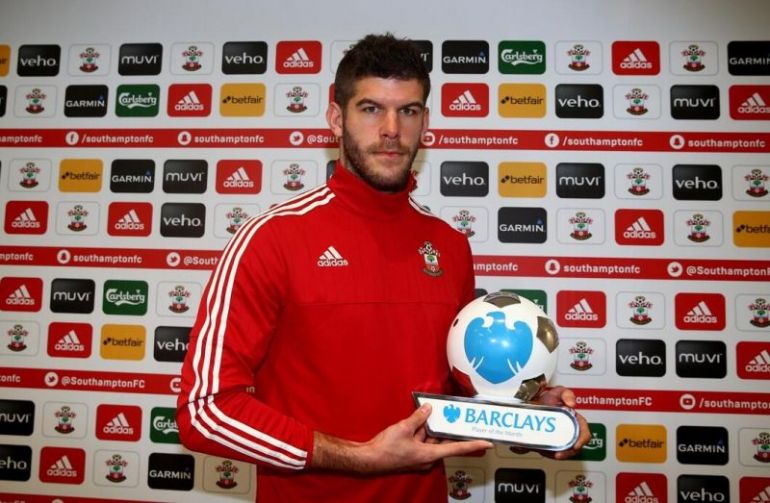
<point>521,100</point>
<point>80,175</point>
<point>522,179</point>
<point>751,229</point>
<point>242,100</point>
<point>123,342</point>
<point>641,443</point>
<point>5,58</point>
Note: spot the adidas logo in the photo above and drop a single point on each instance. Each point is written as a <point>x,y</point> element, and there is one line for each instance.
<point>118,426</point>
<point>299,59</point>
<point>763,496</point>
<point>465,103</point>
<point>641,494</point>
<point>239,180</point>
<point>754,105</point>
<point>20,297</point>
<point>581,311</point>
<point>331,258</point>
<point>639,230</point>
<point>760,363</point>
<point>26,220</point>
<point>129,222</point>
<point>700,314</point>
<point>189,103</point>
<point>636,61</point>
<point>62,468</point>
<point>70,342</point>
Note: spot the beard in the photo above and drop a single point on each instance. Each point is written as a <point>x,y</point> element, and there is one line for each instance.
<point>357,160</point>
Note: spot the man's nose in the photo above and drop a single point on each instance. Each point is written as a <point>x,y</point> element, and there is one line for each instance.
<point>390,124</point>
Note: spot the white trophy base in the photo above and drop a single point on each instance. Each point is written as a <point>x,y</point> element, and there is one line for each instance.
<point>522,424</point>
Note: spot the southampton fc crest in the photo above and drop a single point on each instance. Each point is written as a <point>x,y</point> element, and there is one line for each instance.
<point>430,256</point>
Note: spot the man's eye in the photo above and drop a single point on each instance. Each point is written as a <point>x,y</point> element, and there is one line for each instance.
<point>369,109</point>
<point>410,111</point>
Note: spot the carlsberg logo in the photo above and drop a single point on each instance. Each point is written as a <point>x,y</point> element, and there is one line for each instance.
<point>120,298</point>
<point>130,101</point>
<point>125,297</point>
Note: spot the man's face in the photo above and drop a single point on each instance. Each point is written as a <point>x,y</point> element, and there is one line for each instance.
<point>380,130</point>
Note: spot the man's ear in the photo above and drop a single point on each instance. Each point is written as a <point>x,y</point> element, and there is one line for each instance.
<point>334,118</point>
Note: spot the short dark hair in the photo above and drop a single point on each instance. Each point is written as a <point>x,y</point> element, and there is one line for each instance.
<point>383,56</point>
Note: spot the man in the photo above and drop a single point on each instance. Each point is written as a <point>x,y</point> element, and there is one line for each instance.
<point>323,316</point>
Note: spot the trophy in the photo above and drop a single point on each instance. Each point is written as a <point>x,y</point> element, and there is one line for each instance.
<point>502,351</point>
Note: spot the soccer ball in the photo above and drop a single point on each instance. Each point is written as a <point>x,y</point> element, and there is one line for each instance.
<point>502,346</point>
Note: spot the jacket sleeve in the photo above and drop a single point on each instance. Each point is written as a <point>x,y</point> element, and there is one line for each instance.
<point>216,411</point>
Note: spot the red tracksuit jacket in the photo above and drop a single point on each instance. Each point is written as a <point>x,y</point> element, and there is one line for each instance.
<point>324,313</point>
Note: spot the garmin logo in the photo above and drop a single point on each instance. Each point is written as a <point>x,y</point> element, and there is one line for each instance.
<point>522,225</point>
<point>171,471</point>
<point>132,176</point>
<point>85,101</point>
<point>748,57</point>
<point>702,445</point>
<point>640,357</point>
<point>465,56</point>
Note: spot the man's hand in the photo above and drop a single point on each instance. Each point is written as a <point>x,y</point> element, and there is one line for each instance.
<point>561,396</point>
<point>402,446</point>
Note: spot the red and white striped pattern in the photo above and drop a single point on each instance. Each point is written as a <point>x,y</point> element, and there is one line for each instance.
<point>205,416</point>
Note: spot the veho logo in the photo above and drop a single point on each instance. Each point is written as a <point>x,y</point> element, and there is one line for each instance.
<point>702,488</point>
<point>640,357</point>
<point>182,220</point>
<point>464,179</point>
<point>15,462</point>
<point>579,101</point>
<point>171,343</point>
<point>243,58</point>
<point>38,60</point>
